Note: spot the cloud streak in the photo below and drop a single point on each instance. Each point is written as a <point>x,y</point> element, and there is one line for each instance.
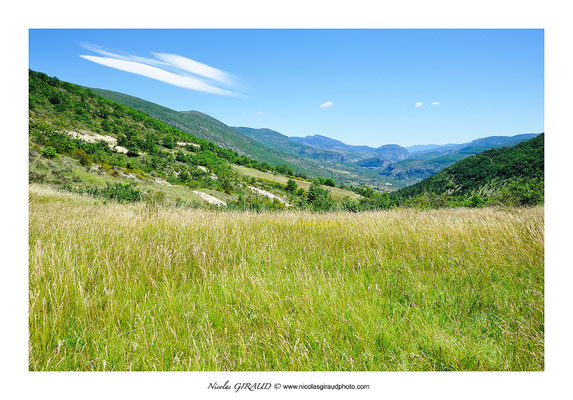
<point>327,104</point>
<point>168,68</point>
<point>194,67</point>
<point>418,104</point>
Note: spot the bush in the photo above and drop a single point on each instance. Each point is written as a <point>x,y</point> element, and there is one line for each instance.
<point>518,194</point>
<point>376,201</point>
<point>154,199</point>
<point>475,201</point>
<point>36,177</point>
<point>319,199</point>
<point>83,158</point>
<point>291,186</point>
<point>329,182</point>
<point>168,142</point>
<point>50,152</point>
<point>120,192</point>
<point>349,205</point>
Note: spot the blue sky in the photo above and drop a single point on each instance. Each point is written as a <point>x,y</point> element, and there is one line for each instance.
<point>375,86</point>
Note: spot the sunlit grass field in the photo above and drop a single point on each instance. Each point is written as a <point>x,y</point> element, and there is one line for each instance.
<point>129,287</point>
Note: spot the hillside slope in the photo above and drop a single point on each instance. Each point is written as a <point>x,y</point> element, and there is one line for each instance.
<point>84,143</point>
<point>284,143</point>
<point>361,155</point>
<point>198,124</point>
<point>208,128</point>
<point>423,164</point>
<point>486,172</point>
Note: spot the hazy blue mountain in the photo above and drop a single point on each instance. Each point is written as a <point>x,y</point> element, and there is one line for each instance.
<point>392,152</point>
<point>203,126</point>
<point>422,165</point>
<point>329,143</point>
<point>422,147</point>
<point>481,144</point>
<point>486,172</point>
<point>282,142</point>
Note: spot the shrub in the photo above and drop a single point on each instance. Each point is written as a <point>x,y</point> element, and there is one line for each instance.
<point>376,201</point>
<point>118,191</point>
<point>168,142</point>
<point>329,182</point>
<point>349,205</point>
<point>49,152</point>
<point>475,201</point>
<point>154,199</point>
<point>319,199</point>
<point>291,186</point>
<point>83,158</point>
<point>37,177</point>
<point>520,194</point>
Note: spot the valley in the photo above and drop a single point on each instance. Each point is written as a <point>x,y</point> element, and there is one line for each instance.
<point>166,240</point>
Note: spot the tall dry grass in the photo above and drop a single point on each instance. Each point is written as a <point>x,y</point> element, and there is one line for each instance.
<point>125,287</point>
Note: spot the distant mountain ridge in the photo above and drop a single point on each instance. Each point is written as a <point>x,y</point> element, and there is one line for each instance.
<point>387,167</point>
<point>423,164</point>
<point>203,126</point>
<point>422,147</point>
<point>406,166</point>
<point>329,143</point>
<point>417,150</point>
<point>282,142</point>
<point>359,154</point>
<point>487,172</point>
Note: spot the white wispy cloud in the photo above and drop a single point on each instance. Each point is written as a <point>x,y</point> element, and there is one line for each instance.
<point>169,68</point>
<point>195,67</point>
<point>259,113</point>
<point>436,103</point>
<point>327,104</point>
<point>419,104</point>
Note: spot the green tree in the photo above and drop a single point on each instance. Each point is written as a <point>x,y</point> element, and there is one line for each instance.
<point>83,157</point>
<point>319,199</point>
<point>49,152</point>
<point>291,186</point>
<point>329,182</point>
<point>168,142</point>
<point>475,201</point>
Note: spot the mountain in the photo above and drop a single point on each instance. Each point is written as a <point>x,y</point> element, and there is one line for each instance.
<point>351,153</point>
<point>486,172</point>
<point>384,156</point>
<point>422,147</point>
<point>200,125</point>
<point>392,152</point>
<point>84,143</point>
<point>331,144</point>
<point>398,165</point>
<point>208,128</point>
<point>425,163</point>
<point>284,143</point>
<point>473,147</point>
<point>413,170</point>
<point>364,156</point>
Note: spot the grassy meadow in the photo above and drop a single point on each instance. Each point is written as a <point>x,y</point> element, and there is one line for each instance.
<point>336,193</point>
<point>132,287</point>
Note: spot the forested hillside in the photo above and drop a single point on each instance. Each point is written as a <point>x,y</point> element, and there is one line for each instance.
<point>201,125</point>
<point>85,143</point>
<point>520,167</point>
